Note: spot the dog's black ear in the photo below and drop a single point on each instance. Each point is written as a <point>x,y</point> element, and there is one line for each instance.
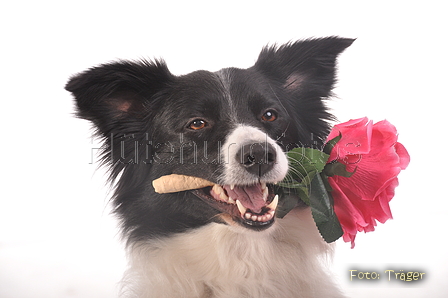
<point>303,74</point>
<point>116,93</point>
<point>307,66</point>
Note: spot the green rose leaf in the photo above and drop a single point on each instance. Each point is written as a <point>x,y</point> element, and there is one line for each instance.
<point>307,180</point>
<point>304,165</point>
<point>337,168</point>
<point>302,161</point>
<point>322,209</point>
<point>288,199</point>
<point>331,143</point>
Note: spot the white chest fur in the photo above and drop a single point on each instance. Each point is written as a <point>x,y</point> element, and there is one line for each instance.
<point>219,261</point>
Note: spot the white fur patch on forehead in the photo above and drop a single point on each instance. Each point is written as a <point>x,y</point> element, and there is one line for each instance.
<point>234,173</point>
<point>294,81</point>
<point>224,76</point>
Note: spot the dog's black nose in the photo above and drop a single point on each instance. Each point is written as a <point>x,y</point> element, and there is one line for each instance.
<point>257,158</point>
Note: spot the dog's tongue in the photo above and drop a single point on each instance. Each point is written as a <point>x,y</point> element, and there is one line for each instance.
<point>250,196</point>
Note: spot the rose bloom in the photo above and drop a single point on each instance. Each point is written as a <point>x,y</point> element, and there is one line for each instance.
<point>372,151</point>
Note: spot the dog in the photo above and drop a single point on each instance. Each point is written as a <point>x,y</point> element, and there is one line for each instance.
<point>232,127</point>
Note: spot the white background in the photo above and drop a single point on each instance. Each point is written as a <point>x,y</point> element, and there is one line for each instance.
<point>57,238</point>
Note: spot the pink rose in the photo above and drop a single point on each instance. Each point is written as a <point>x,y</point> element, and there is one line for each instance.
<point>373,151</point>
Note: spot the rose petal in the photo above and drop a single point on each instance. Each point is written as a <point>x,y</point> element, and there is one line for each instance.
<point>356,135</point>
<point>403,154</point>
<point>373,151</point>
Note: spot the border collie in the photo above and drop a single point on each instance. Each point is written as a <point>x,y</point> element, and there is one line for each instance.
<point>231,127</point>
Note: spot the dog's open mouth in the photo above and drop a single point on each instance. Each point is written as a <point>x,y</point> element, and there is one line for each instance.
<point>251,205</point>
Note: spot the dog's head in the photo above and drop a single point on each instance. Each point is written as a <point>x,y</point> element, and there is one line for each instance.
<point>230,127</point>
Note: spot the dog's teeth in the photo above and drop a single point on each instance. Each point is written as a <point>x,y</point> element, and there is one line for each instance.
<point>265,193</point>
<point>263,186</point>
<point>247,215</point>
<point>241,208</point>
<point>223,197</point>
<point>274,203</point>
<point>232,201</point>
<point>232,186</point>
<point>217,189</point>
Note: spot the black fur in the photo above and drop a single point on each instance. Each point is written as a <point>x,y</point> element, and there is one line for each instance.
<point>143,112</point>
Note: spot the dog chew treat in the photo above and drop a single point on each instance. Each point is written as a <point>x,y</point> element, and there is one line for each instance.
<point>175,183</point>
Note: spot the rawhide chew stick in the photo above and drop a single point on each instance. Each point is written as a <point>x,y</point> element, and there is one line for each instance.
<point>175,183</point>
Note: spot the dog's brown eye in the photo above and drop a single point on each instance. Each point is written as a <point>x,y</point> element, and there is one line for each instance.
<point>269,116</point>
<point>197,124</point>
